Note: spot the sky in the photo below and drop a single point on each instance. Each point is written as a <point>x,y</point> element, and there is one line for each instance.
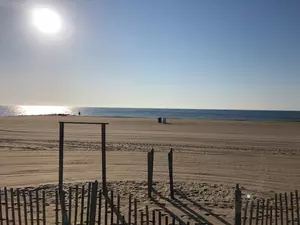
<point>202,54</point>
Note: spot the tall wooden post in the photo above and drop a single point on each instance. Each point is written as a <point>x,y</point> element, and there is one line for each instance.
<point>170,160</point>
<point>238,206</point>
<point>150,172</point>
<point>61,156</point>
<point>103,146</point>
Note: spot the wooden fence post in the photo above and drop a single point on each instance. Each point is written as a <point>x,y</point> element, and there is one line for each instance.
<point>142,218</point>
<point>31,207</point>
<point>25,207</point>
<point>276,213</point>
<point>99,207</point>
<point>82,204</point>
<point>251,213</point>
<point>44,207</point>
<point>70,205</point>
<point>262,211</point>
<point>170,160</point>
<point>105,209</point>
<point>6,206</point>
<point>135,212</point>
<point>150,172</point>
<point>103,148</point>
<point>286,208</point>
<point>129,209</point>
<point>111,207</point>
<point>292,207</point>
<point>238,206</point>
<point>12,206</point>
<point>281,209</point>
<point>37,206</point>
<point>56,208</point>
<point>147,215</point>
<point>93,203</point>
<point>1,218</point>
<point>118,209</point>
<point>19,207</point>
<point>245,212</point>
<point>257,213</point>
<point>88,206</point>
<point>297,206</point>
<point>76,205</point>
<point>267,211</point>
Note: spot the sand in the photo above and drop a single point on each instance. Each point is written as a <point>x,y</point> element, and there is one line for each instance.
<point>263,157</point>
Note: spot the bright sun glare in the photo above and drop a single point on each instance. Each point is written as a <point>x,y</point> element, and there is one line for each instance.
<point>46,20</point>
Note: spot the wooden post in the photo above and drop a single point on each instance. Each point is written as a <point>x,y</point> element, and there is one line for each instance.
<point>88,206</point>
<point>12,206</point>
<point>70,205</point>
<point>276,212</point>
<point>64,216</point>
<point>170,160</point>
<point>251,213</point>
<point>1,218</point>
<point>111,207</point>
<point>76,205</point>
<point>103,144</point>
<point>6,206</point>
<point>271,215</point>
<point>238,206</point>
<point>105,210</point>
<point>292,207</point>
<point>245,212</point>
<point>257,213</point>
<point>129,209</point>
<point>31,207</point>
<point>281,209</point>
<point>147,215</point>
<point>99,207</point>
<point>123,220</point>
<point>159,218</point>
<point>262,212</point>
<point>19,207</point>
<point>135,212</point>
<point>153,217</point>
<point>297,207</point>
<point>44,207</point>
<point>37,206</point>
<point>118,209</point>
<point>267,211</point>
<point>150,172</point>
<point>25,207</point>
<point>93,203</point>
<point>166,220</point>
<point>286,208</point>
<point>82,204</point>
<point>142,218</point>
<point>56,207</point>
<point>61,156</point>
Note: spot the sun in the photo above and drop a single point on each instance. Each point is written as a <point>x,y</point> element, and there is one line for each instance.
<point>46,20</point>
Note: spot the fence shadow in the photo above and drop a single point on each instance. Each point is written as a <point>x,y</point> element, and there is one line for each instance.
<point>185,209</point>
<point>182,195</point>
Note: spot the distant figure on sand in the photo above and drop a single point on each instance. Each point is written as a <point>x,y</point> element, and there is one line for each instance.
<point>79,113</point>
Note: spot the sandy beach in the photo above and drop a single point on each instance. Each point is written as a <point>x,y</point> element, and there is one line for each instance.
<point>263,157</point>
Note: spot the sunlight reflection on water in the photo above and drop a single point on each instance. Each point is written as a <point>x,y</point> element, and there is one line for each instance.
<point>42,110</point>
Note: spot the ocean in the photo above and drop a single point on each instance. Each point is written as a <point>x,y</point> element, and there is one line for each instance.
<point>248,115</point>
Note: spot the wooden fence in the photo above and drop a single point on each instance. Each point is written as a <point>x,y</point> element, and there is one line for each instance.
<point>86,204</point>
<point>282,209</point>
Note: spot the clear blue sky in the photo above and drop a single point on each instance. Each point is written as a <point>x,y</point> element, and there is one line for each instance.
<point>154,53</point>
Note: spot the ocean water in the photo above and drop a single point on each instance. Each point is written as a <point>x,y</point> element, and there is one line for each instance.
<point>248,115</point>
